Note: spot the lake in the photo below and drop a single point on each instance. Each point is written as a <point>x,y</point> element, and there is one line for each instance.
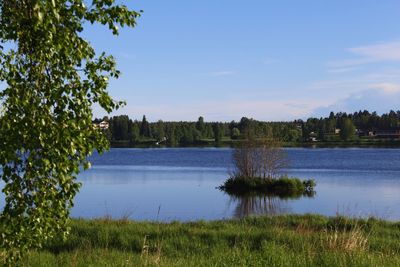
<point>180,184</point>
<point>169,184</point>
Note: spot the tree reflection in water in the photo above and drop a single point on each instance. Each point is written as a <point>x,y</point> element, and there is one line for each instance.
<point>261,204</point>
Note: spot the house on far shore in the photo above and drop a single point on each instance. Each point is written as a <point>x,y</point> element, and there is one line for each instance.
<point>392,134</point>
<point>388,134</point>
<point>102,125</point>
<point>164,139</point>
<point>312,137</point>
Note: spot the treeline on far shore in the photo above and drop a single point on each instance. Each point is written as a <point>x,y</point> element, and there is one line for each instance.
<point>358,128</point>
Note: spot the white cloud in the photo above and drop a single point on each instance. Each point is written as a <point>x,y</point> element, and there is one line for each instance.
<point>341,86</point>
<point>379,52</point>
<point>384,51</point>
<point>388,88</point>
<point>376,90</point>
<point>379,97</point>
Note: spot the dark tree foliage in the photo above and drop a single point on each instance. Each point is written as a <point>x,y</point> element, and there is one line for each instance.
<point>336,127</point>
<point>348,129</point>
<point>200,126</point>
<point>121,127</point>
<point>218,132</point>
<point>145,127</point>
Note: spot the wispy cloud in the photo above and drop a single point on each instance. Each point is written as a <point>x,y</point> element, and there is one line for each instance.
<point>346,85</point>
<point>375,89</point>
<point>127,56</point>
<point>384,51</point>
<point>340,70</point>
<point>388,88</point>
<point>219,73</point>
<point>380,51</point>
<point>380,98</point>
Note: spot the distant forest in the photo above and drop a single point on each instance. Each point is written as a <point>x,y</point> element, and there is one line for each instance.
<point>340,127</point>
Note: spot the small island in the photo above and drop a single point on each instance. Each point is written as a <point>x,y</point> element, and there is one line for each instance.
<point>257,171</point>
<point>284,186</point>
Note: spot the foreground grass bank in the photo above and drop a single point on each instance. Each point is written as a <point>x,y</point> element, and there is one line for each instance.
<point>308,240</point>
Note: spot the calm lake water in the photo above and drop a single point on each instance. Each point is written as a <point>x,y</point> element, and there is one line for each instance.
<point>180,184</point>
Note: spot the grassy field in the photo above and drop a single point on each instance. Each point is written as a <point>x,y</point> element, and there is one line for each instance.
<point>308,240</point>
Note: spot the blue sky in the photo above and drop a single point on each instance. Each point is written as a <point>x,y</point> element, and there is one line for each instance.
<point>269,60</point>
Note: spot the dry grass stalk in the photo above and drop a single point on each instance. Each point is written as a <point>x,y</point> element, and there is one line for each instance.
<point>147,256</point>
<point>303,229</point>
<point>352,240</point>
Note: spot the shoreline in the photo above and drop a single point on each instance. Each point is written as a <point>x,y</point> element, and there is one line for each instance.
<point>344,144</point>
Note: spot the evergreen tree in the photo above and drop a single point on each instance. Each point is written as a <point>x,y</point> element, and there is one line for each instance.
<point>144,127</point>
<point>135,133</point>
<point>159,130</point>
<point>217,130</point>
<point>200,126</point>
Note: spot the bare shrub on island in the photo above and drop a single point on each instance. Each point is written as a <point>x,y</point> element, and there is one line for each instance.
<point>258,166</point>
<point>263,159</point>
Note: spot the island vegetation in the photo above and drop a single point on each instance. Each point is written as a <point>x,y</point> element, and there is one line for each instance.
<point>257,169</point>
<point>283,187</point>
<point>362,128</point>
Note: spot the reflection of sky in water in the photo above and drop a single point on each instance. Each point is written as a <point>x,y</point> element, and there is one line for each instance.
<point>182,184</point>
<point>184,195</point>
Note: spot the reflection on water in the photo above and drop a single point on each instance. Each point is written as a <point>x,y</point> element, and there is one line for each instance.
<point>262,204</point>
<point>258,205</point>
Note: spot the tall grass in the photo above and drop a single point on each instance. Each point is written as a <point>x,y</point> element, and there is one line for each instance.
<point>308,240</point>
